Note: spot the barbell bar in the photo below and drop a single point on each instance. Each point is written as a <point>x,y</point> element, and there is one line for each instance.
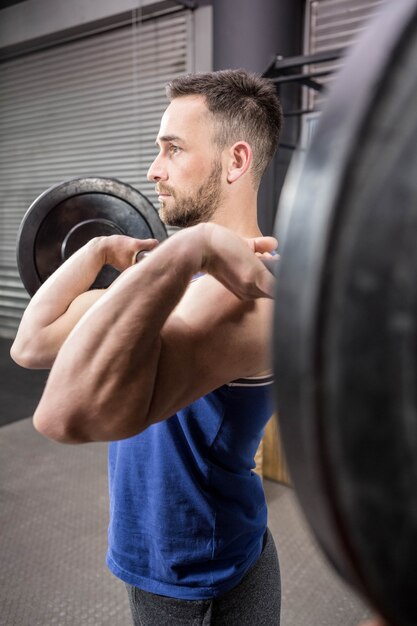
<point>69,214</point>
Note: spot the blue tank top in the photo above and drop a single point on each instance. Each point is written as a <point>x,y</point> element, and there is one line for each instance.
<point>187,512</point>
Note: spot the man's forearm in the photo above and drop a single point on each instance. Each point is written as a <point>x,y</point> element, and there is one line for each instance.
<point>54,297</point>
<point>63,286</point>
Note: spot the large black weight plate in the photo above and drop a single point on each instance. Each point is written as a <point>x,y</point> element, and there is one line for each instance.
<point>345,337</point>
<point>66,216</point>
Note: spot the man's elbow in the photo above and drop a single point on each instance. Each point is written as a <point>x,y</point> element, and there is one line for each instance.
<point>67,414</point>
<point>21,356</point>
<point>29,356</point>
<point>59,417</point>
<point>71,423</point>
<point>57,428</point>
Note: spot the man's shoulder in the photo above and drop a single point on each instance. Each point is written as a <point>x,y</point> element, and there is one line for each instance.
<point>207,297</point>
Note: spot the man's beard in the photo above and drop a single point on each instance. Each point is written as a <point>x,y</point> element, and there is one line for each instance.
<point>193,209</point>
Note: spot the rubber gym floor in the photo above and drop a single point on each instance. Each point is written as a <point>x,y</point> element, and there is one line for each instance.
<point>53,521</point>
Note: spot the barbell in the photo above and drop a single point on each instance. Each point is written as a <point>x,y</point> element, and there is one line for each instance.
<point>345,334</point>
<point>345,330</point>
<point>67,215</point>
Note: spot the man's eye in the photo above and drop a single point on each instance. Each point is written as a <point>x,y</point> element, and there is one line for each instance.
<point>174,149</point>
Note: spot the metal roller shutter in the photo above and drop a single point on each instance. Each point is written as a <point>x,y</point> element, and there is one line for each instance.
<point>330,25</point>
<point>88,107</point>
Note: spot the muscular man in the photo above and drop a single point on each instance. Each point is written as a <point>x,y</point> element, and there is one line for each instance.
<point>171,365</point>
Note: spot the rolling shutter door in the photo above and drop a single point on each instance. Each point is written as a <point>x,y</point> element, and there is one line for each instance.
<point>330,25</point>
<point>88,107</point>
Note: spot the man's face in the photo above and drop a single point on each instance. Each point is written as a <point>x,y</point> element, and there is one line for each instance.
<point>188,168</point>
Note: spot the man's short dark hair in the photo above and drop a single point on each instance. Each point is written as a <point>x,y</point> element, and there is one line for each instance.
<point>245,108</point>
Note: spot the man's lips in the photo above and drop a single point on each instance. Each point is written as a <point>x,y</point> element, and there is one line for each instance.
<point>163,193</point>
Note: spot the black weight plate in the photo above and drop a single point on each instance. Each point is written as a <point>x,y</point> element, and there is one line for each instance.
<point>345,334</point>
<point>69,214</point>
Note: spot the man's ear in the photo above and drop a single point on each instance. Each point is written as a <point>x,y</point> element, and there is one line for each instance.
<point>239,160</point>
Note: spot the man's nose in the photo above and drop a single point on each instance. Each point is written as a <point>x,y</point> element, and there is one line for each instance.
<point>157,171</point>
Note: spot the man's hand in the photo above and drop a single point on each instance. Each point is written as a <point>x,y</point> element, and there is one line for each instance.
<point>263,245</point>
<point>120,251</point>
<point>227,258</point>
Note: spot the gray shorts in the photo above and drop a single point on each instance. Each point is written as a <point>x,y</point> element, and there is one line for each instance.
<point>256,601</point>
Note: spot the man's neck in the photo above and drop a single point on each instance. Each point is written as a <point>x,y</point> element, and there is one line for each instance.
<point>239,215</point>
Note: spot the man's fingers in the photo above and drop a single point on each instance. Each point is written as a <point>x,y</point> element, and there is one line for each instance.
<point>120,250</point>
<point>142,248</point>
<point>263,244</point>
<point>266,283</point>
<point>270,262</point>
<point>245,275</point>
<point>236,263</point>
